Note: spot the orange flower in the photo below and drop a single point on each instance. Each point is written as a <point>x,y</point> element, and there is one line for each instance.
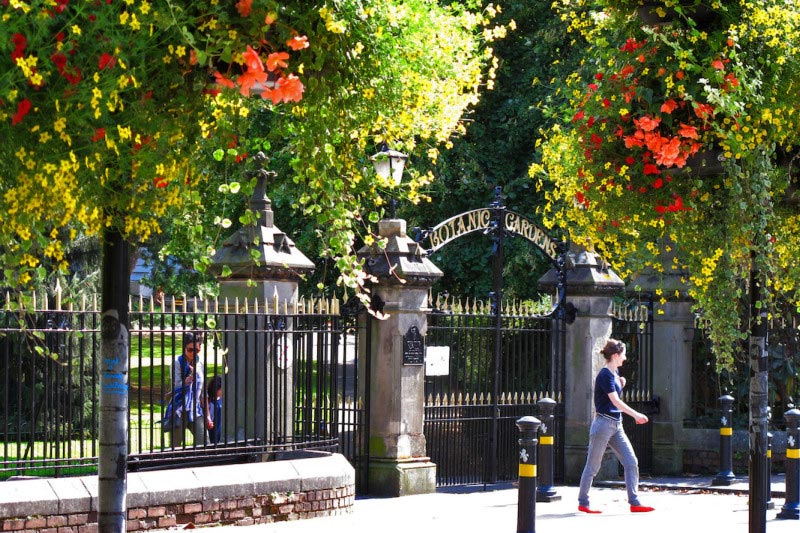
<point>243,7</point>
<point>253,61</point>
<point>647,123</point>
<point>669,153</point>
<point>297,42</point>
<point>224,81</point>
<point>247,80</point>
<point>277,60</point>
<point>688,132</point>
<point>704,111</point>
<point>718,64</point>
<point>669,106</point>
<point>292,88</point>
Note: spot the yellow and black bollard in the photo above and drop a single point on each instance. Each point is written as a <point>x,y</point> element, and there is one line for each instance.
<point>791,507</point>
<point>545,491</point>
<point>725,476</point>
<point>526,502</point>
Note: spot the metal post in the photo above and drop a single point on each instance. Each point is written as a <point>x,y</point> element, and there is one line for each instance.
<point>791,507</point>
<point>546,492</point>
<point>759,406</point>
<point>497,232</point>
<point>768,477</point>
<point>526,504</point>
<point>725,476</point>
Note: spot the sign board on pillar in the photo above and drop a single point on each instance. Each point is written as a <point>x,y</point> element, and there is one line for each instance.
<point>413,347</point>
<point>437,361</point>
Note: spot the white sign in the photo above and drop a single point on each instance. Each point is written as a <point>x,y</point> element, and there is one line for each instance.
<point>437,360</point>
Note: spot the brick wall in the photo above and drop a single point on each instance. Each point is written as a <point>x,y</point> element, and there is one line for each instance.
<point>258,499</point>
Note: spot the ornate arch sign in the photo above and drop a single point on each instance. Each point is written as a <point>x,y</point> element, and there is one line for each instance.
<point>485,220</point>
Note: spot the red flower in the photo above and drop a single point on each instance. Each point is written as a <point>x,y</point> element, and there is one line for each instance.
<point>59,60</point>
<point>578,116</point>
<point>22,109</point>
<point>99,134</point>
<point>658,183</point>
<point>106,61</point>
<point>20,42</point>
<point>160,182</point>
<point>650,169</point>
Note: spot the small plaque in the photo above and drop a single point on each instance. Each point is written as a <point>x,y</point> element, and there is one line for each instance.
<point>413,347</point>
<point>437,361</point>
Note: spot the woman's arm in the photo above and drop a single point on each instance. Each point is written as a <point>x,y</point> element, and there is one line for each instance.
<point>627,409</point>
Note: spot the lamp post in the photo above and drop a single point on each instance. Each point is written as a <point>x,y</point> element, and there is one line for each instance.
<point>389,165</point>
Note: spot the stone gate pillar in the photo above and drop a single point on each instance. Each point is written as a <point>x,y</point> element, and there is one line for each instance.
<point>266,282</point>
<point>673,330</point>
<point>591,285</point>
<point>398,464</point>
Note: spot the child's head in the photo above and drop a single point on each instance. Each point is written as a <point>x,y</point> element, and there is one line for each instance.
<point>214,389</point>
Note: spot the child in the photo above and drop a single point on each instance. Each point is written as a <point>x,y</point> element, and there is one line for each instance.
<point>214,399</point>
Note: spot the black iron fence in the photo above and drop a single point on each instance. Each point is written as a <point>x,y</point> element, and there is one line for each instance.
<point>475,397</point>
<point>632,323</point>
<point>288,371</point>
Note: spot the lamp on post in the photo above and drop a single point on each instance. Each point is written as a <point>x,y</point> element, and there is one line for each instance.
<point>389,164</point>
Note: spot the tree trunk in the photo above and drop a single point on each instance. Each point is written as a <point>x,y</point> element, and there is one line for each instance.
<point>758,408</point>
<point>112,467</point>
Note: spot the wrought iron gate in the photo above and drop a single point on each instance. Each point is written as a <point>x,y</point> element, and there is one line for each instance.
<point>470,413</point>
<point>503,358</point>
<point>633,324</point>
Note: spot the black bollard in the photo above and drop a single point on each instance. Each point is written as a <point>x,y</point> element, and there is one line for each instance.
<point>725,476</point>
<point>545,491</point>
<point>768,477</point>
<point>791,507</point>
<point>526,504</point>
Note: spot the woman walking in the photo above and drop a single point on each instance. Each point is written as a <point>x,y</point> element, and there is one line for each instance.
<point>607,430</point>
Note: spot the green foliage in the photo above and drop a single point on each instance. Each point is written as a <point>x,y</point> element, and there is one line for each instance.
<point>497,150</point>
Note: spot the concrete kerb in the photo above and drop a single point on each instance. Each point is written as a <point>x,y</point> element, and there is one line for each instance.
<point>316,474</point>
<point>46,497</point>
<point>28,497</point>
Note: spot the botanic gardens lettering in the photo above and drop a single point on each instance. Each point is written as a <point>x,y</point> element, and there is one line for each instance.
<point>481,219</point>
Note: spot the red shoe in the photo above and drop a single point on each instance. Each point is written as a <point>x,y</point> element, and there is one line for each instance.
<point>584,509</point>
<point>641,509</point>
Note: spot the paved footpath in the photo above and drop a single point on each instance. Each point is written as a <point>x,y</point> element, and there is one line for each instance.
<point>679,509</point>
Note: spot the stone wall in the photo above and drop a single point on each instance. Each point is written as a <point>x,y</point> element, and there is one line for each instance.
<point>243,494</point>
<point>701,451</point>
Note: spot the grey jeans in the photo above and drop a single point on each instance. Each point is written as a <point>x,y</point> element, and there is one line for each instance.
<point>197,427</point>
<point>603,433</point>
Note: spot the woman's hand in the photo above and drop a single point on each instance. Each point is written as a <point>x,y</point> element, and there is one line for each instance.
<point>640,418</point>
<point>189,379</point>
<point>209,423</point>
